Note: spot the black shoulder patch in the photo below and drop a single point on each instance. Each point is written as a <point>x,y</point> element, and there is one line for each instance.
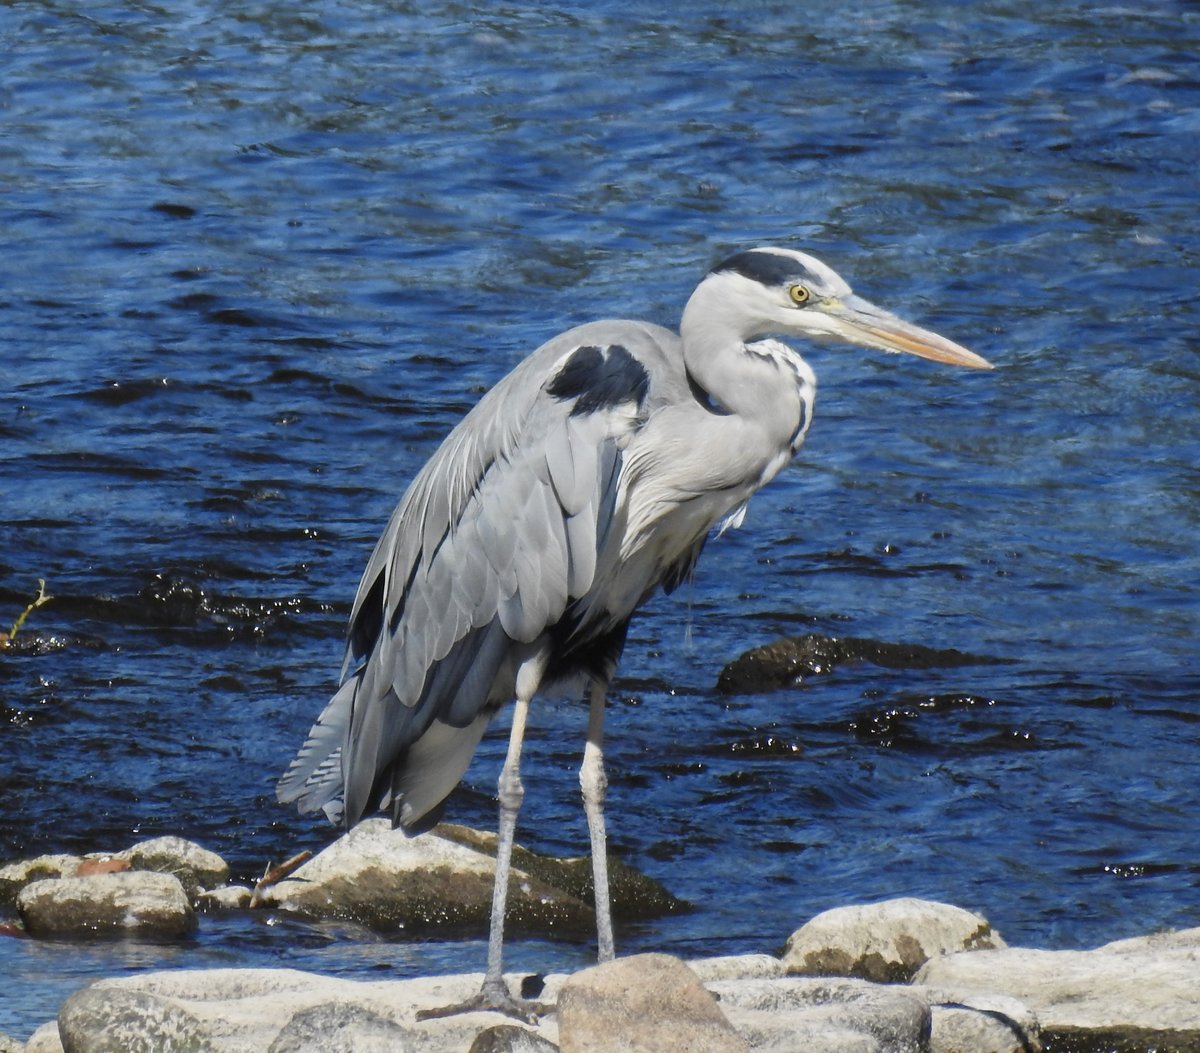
<point>600,378</point>
<point>766,268</point>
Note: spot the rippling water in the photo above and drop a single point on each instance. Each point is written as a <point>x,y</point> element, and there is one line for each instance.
<point>256,262</point>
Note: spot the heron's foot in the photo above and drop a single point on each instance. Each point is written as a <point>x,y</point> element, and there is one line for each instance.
<point>493,997</point>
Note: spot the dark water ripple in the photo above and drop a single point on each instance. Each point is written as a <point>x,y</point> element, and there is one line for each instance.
<point>257,261</point>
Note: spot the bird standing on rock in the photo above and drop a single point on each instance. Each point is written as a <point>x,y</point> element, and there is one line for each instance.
<point>586,479</point>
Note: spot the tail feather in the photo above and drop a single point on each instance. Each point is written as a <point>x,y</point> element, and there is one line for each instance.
<point>314,779</point>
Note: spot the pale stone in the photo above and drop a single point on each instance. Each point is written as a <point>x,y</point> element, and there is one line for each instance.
<point>15,876</point>
<point>648,1003</point>
<point>886,942</point>
<point>1143,992</point>
<point>381,878</point>
<point>129,903</point>
<point>825,1014</point>
<point>737,967</point>
<point>196,868</point>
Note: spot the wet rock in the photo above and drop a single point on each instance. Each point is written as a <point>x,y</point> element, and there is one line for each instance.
<point>886,942</point>
<point>649,1003</point>
<point>508,1038</point>
<point>378,877</point>
<point>791,660</point>
<point>196,868</point>
<point>634,896</point>
<point>228,897</point>
<point>146,905</point>
<point>98,1021</point>
<point>1133,995</point>
<point>341,1027</point>
<point>15,876</point>
<point>988,1024</point>
<point>823,1015</point>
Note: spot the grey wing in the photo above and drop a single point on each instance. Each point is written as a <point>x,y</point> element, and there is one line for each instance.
<point>499,532</point>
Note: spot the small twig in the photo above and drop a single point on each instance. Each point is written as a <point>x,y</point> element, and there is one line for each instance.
<point>272,875</point>
<point>40,600</point>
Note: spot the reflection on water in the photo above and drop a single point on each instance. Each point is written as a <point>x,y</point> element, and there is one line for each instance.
<point>256,263</point>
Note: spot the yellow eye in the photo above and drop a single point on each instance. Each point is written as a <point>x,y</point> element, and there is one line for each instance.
<point>799,295</point>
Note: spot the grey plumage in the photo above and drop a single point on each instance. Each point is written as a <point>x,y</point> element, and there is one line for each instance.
<point>587,478</point>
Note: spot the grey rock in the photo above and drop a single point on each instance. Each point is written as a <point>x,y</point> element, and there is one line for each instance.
<point>340,1027</point>
<point>791,660</point>
<point>228,897</point>
<point>99,1021</point>
<point>46,1039</point>
<point>648,1003</point>
<point>819,1014</point>
<point>129,903</point>
<point>509,1038</point>
<point>197,868</point>
<point>886,942</point>
<point>1135,994</point>
<point>10,1045</point>
<point>247,1010</point>
<point>988,1024</point>
<point>379,877</point>
<point>737,967</point>
<point>15,876</point>
<point>633,895</point>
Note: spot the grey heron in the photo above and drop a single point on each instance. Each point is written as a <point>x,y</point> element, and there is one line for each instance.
<point>586,479</point>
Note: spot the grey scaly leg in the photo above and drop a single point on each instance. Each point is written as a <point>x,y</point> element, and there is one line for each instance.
<point>511,793</point>
<point>495,994</point>
<point>594,783</point>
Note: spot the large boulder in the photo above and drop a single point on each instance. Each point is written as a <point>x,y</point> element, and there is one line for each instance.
<point>129,903</point>
<point>649,1003</point>
<point>381,878</point>
<point>1131,995</point>
<point>272,1011</point>
<point>886,942</point>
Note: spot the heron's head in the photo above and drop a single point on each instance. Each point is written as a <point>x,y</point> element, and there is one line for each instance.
<point>780,291</point>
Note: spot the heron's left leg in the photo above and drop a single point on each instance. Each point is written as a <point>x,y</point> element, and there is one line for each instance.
<point>594,783</point>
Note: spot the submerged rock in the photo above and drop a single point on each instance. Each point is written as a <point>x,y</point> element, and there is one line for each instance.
<point>792,659</point>
<point>129,903</point>
<point>886,942</point>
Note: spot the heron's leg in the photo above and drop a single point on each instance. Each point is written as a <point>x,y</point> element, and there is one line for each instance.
<point>511,794</point>
<point>594,783</point>
<point>495,994</point>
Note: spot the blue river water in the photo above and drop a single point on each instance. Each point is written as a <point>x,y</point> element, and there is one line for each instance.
<point>255,260</point>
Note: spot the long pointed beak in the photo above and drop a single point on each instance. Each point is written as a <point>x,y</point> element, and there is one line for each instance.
<point>861,322</point>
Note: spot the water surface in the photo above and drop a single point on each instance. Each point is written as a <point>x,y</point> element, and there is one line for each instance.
<point>256,263</point>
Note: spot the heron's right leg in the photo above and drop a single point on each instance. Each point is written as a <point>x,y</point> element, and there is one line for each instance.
<point>511,794</point>
<point>495,994</point>
<point>594,783</point>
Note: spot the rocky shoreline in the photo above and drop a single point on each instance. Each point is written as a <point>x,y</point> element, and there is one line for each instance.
<point>893,977</point>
